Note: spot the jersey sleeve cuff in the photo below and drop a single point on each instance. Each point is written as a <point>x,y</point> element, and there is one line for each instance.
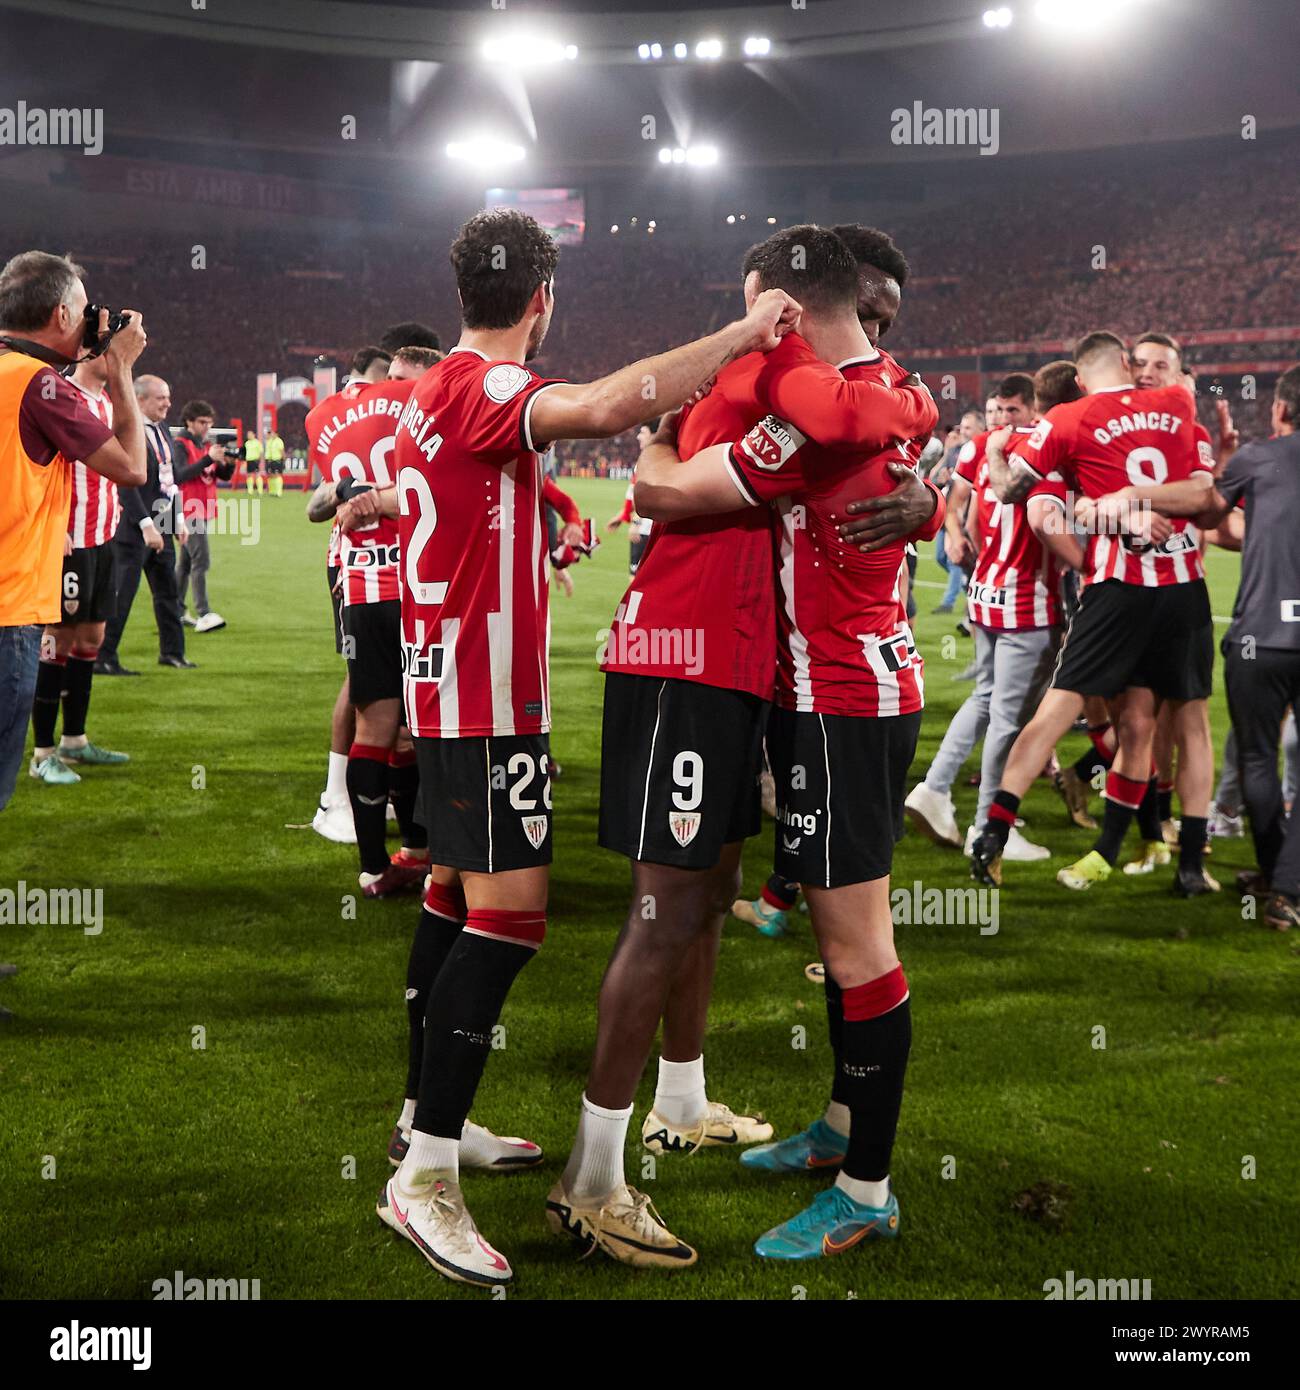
<point>737,475</point>
<point>526,421</point>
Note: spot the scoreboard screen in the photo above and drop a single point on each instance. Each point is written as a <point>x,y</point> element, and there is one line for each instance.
<point>562,211</point>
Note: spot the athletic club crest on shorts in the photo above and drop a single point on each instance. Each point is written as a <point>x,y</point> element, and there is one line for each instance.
<point>685,825</point>
<point>535,829</point>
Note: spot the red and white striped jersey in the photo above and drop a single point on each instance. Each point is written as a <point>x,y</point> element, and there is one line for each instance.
<point>844,643</point>
<point>1015,583</point>
<point>1119,437</point>
<point>475,579</point>
<point>356,440</point>
<point>95,509</point>
<point>314,423</point>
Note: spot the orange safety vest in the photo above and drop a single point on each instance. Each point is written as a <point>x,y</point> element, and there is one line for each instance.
<point>34,502</point>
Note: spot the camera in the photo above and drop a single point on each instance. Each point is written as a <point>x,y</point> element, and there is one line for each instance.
<point>91,339</point>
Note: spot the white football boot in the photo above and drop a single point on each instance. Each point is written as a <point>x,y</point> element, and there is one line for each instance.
<point>479,1148</point>
<point>333,820</point>
<point>933,815</point>
<point>624,1225</point>
<point>437,1222</point>
<point>720,1127</point>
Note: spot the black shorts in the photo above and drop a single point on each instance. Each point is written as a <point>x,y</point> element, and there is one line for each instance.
<point>486,802</point>
<point>1126,635</point>
<point>635,551</point>
<point>679,769</point>
<point>372,643</point>
<point>336,606</point>
<point>840,784</point>
<point>276,467</point>
<point>89,592</point>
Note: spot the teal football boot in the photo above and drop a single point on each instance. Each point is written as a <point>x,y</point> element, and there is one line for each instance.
<point>815,1148</point>
<point>831,1224</point>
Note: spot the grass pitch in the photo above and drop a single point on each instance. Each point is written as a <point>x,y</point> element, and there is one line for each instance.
<point>128,1152</point>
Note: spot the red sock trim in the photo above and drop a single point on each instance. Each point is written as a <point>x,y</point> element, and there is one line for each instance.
<point>83,653</point>
<point>1097,734</point>
<point>1124,790</point>
<point>876,997</point>
<point>1163,787</point>
<point>399,759</point>
<point>519,928</point>
<point>372,751</point>
<point>997,812</point>
<point>444,902</point>
<point>772,900</point>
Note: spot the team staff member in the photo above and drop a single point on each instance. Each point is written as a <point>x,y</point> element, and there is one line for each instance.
<point>275,463</point>
<point>143,543</point>
<point>1262,649</point>
<point>254,469</point>
<point>197,465</point>
<point>44,422</point>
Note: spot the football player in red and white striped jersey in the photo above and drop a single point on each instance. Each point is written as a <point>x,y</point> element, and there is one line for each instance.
<point>1143,629</point>
<point>69,649</point>
<point>475,631</point>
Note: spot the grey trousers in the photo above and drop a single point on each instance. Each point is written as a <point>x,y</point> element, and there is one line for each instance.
<point>192,567</point>
<point>1228,795</point>
<point>1012,668</point>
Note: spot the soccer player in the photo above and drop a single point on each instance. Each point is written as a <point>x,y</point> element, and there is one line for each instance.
<point>849,693</point>
<point>1143,630</point>
<point>333,817</point>
<point>690,669</point>
<point>1013,607</point>
<point>475,620</point>
<point>71,646</point>
<point>638,526</point>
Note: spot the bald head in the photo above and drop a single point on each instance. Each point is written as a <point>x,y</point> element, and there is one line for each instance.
<point>154,396</point>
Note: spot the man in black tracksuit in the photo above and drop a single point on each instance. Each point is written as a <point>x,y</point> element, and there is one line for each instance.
<point>1262,649</point>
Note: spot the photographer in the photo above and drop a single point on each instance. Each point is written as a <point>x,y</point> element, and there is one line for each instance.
<point>45,422</point>
<point>197,464</point>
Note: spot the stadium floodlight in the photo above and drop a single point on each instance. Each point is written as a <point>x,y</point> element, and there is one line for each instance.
<point>771,221</point>
<point>522,50</point>
<point>702,154</point>
<point>614,229</point>
<point>709,49</point>
<point>731,217</point>
<point>484,150</point>
<point>656,51</point>
<point>665,155</point>
<point>1082,16</point>
<point>998,19</point>
<point>679,156</point>
<point>643,52</point>
<point>757,47</point>
<point>679,50</point>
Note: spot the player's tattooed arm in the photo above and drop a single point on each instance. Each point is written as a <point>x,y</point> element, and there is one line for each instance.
<point>1011,479</point>
<point>323,503</point>
<point>639,392</point>
<point>668,486</point>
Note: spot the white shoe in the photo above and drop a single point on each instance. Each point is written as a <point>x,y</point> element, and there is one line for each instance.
<point>438,1224</point>
<point>189,621</point>
<point>1222,826</point>
<point>209,622</point>
<point>479,1148</point>
<point>333,820</point>
<point>1021,851</point>
<point>625,1226</point>
<point>720,1127</point>
<point>933,815</point>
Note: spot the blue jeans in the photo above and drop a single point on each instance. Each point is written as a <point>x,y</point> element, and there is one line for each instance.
<point>20,655</point>
<point>956,575</point>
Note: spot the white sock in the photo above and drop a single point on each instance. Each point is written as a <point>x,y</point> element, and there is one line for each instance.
<point>429,1158</point>
<point>595,1167</point>
<point>40,754</point>
<point>73,741</point>
<point>407,1118</point>
<point>336,784</point>
<point>679,1095</point>
<point>837,1117</point>
<point>868,1194</point>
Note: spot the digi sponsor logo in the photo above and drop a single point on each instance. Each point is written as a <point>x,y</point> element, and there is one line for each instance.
<point>421,664</point>
<point>772,443</point>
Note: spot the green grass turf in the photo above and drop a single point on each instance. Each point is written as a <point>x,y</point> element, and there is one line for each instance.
<point>229,1162</point>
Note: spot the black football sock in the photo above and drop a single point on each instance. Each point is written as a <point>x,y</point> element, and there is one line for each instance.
<point>76,694</point>
<point>465,1003</point>
<point>780,893</point>
<point>877,1040</point>
<point>403,788</point>
<point>368,793</point>
<point>1123,797</point>
<point>835,1026</point>
<point>1191,843</point>
<point>1002,816</point>
<point>1098,755</point>
<point>1148,818</point>
<point>45,705</point>
<point>441,919</point>
<point>1165,793</point>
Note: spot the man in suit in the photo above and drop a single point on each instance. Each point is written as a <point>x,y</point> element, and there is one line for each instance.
<point>143,541</point>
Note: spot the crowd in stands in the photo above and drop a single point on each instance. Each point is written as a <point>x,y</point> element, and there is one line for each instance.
<point>1062,256</point>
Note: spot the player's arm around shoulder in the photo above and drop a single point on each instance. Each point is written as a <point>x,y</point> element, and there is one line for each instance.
<point>669,487</point>
<point>1010,477</point>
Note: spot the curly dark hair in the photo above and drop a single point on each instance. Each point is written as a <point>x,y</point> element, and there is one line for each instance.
<point>874,248</point>
<point>409,334</point>
<point>499,259</point>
